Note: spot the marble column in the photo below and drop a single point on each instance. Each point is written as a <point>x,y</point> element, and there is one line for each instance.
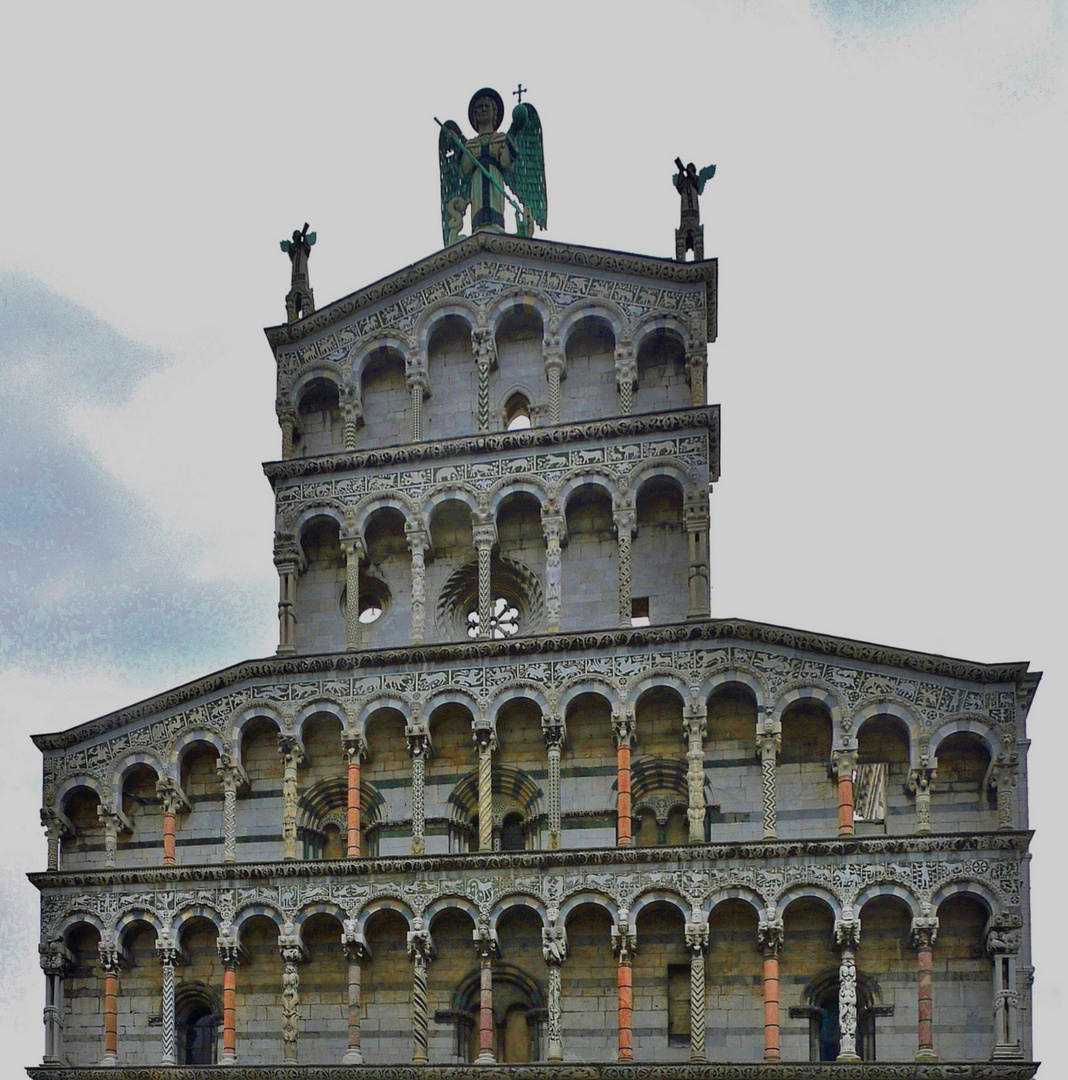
<point>769,938</point>
<point>417,539</point>
<point>694,719</point>
<point>418,745</point>
<point>696,366</point>
<point>553,731</point>
<point>56,827</point>
<point>290,564</point>
<point>486,949</point>
<point>114,823</point>
<point>292,758</point>
<point>1003,780</point>
<point>172,800</point>
<point>229,954</point>
<point>769,741</point>
<point>843,765</point>
<point>626,377</point>
<point>919,783</point>
<point>626,523</point>
<point>486,742</point>
<point>1003,946</point>
<point>484,534</point>
<point>923,932</point>
<point>554,364</point>
<point>353,550</point>
<point>232,777</point>
<point>167,952</point>
<point>420,953</point>
<point>289,422</point>
<point>623,734</point>
<point>485,351</point>
<point>352,415</point>
<point>356,952</point>
<point>847,937</point>
<point>554,949</point>
<point>553,526</point>
<point>697,946</point>
<point>418,384</point>
<point>56,961</point>
<point>696,521</point>
<point>353,753</point>
<point>624,945</point>
<point>292,955</point>
<point>111,962</point>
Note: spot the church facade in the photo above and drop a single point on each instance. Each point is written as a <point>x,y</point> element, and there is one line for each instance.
<point>507,795</point>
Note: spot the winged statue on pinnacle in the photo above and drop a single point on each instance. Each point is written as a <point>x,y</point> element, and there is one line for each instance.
<point>481,171</point>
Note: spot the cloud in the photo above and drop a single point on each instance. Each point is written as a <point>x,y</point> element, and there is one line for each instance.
<point>88,571</point>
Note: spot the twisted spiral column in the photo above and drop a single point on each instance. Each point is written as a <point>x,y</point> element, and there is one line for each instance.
<point>626,525</point>
<point>420,952</point>
<point>485,536</point>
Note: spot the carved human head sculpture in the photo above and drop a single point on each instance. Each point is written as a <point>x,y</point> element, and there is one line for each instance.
<point>486,111</point>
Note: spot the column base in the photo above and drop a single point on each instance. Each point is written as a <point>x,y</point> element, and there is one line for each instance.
<point>228,1059</point>
<point>286,650</point>
<point>555,1054</point>
<point>848,1057</point>
<point>772,1055</point>
<point>698,1059</point>
<point>485,1057</point>
<point>1007,1052</point>
<point>926,1054</point>
<point>353,1056</point>
<point>111,1061</point>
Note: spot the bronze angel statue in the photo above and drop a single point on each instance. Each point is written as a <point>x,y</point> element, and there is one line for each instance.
<point>478,172</point>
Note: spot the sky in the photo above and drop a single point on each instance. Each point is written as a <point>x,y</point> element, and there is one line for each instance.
<point>889,219</point>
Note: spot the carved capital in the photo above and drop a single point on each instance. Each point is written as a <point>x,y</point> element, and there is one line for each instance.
<point>624,942</point>
<point>290,751</point>
<point>844,761</point>
<point>697,937</point>
<point>552,730</point>
<point>554,944</point>
<point>625,521</point>
<point>923,931</point>
<point>770,934</point>
<point>55,958</point>
<point>1003,939</point>
<point>920,779</point>
<point>416,536</point>
<point>847,934</point>
<point>623,728</point>
<point>171,796</point>
<point>484,534</point>
<point>487,947</point>
<point>554,527</point>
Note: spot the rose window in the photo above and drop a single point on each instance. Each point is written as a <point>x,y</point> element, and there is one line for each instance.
<point>504,620</point>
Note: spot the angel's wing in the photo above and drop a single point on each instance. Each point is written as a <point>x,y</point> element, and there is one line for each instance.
<point>704,175</point>
<point>285,245</point>
<point>527,176</point>
<point>454,185</point>
<point>310,238</point>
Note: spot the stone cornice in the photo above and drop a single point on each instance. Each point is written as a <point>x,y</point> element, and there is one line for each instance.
<point>544,251</point>
<point>794,1070</point>
<point>598,430</point>
<point>764,852</point>
<point>458,652</point>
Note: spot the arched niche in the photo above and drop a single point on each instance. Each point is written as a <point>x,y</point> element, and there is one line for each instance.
<point>386,987</point>
<point>80,805</point>
<point>385,399</point>
<point>141,805</point>
<point>808,955</point>
<point>321,426</point>
<point>385,581</point>
<point>452,548</point>
<point>324,989</point>
<point>454,379</point>
<point>590,352</point>
<point>880,801</point>
<point>961,800</point>
<point>589,991</point>
<point>587,774</point>
<point>659,553</point>
<point>661,975</point>
<point>320,625</point>
<point>590,563</point>
<point>259,811</point>
<point>808,803</point>
<point>734,977</point>
<point>519,354</point>
<point>662,381</point>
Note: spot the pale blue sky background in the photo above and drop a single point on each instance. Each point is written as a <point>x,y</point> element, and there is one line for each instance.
<point>889,216</point>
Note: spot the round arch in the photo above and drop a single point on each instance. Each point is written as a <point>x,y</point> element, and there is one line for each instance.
<point>429,319</point>
<point>523,900</point>
<point>808,892</point>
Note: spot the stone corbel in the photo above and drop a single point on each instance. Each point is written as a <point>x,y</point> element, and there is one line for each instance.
<point>55,958</point>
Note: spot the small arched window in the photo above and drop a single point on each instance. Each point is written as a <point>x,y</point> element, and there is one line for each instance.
<point>517,413</point>
<point>197,1024</point>
<point>825,1039</point>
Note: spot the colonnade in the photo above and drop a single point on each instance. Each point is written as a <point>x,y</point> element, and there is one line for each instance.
<point>484,356</point>
<point>290,564</point>
<point>353,751</point>
<point>1000,945</point>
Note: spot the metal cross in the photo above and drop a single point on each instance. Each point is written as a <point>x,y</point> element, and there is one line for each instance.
<point>519,92</point>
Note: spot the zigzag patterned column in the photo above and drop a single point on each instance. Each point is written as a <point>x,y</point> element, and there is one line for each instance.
<point>769,756</point>
<point>697,945</point>
<point>168,958</point>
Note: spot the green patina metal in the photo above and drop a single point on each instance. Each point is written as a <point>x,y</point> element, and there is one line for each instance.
<point>477,173</point>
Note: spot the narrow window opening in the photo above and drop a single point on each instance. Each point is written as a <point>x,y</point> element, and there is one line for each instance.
<point>678,998</point>
<point>517,413</point>
<point>639,611</point>
<point>869,800</point>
